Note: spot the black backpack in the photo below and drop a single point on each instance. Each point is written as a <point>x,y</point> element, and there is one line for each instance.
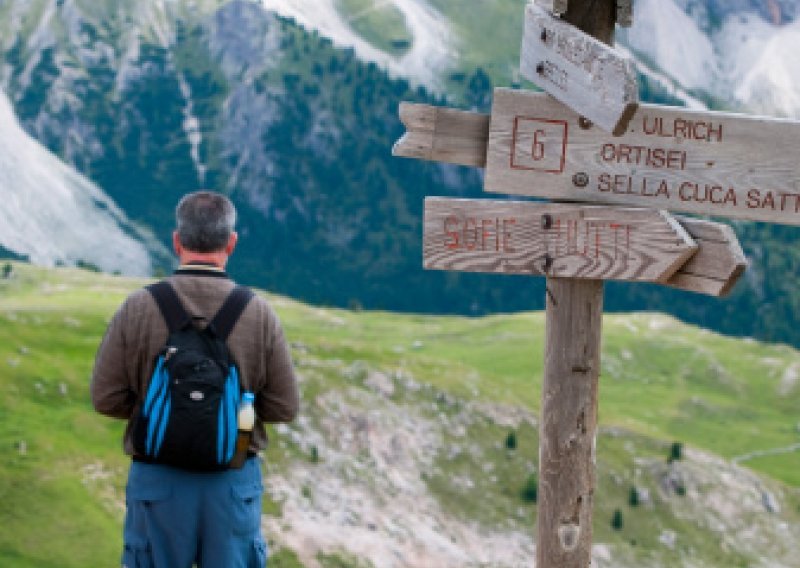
<point>189,415</point>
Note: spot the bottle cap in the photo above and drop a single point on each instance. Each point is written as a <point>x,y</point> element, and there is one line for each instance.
<point>248,397</point>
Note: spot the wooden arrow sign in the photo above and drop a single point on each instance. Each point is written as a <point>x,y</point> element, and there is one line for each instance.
<point>442,134</point>
<point>677,159</point>
<point>713,270</point>
<point>580,71</point>
<point>557,240</point>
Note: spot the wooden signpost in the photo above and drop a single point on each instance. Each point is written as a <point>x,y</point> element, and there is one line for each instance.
<point>459,137</point>
<point>624,9</point>
<point>663,159</point>
<point>545,239</point>
<point>670,158</point>
<point>579,70</point>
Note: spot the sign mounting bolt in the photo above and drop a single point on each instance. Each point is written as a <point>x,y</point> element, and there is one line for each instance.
<point>585,123</point>
<point>580,179</point>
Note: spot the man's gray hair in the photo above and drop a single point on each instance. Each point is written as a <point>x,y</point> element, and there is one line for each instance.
<point>205,221</point>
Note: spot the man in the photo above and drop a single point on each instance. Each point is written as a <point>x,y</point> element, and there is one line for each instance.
<point>177,517</point>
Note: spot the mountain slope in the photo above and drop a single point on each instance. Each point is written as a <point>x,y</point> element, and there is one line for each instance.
<point>52,214</point>
<point>156,98</point>
<point>402,442</point>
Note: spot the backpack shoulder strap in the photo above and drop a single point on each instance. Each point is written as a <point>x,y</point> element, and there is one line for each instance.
<point>229,313</point>
<point>170,305</point>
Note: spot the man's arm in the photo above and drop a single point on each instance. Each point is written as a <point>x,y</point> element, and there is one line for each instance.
<point>110,387</point>
<point>279,400</point>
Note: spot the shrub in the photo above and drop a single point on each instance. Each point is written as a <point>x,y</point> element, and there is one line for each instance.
<point>633,497</point>
<point>675,452</point>
<point>616,521</point>
<point>511,441</point>
<point>531,490</point>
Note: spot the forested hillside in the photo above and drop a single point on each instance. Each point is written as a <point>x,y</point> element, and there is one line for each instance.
<point>153,99</point>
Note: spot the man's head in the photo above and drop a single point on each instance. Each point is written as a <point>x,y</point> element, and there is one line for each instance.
<point>205,223</point>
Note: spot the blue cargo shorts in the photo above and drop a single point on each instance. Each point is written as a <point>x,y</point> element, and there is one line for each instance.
<point>177,518</point>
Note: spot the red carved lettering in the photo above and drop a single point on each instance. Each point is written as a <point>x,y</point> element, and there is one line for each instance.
<point>753,199</point>
<point>470,231</point>
<point>452,235</point>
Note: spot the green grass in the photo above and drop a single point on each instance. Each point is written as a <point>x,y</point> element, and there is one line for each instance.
<point>490,36</point>
<point>379,23</point>
<point>661,381</point>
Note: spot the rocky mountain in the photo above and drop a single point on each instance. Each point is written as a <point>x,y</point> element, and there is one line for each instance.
<point>295,118</point>
<point>52,214</point>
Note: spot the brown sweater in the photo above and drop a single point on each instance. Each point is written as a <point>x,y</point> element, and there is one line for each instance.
<point>126,356</point>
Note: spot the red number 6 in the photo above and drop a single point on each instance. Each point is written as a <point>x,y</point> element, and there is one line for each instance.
<point>537,150</point>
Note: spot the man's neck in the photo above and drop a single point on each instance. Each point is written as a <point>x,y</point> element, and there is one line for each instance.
<point>216,259</point>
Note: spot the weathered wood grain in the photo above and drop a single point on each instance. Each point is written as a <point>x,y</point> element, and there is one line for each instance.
<point>559,240</point>
<point>442,134</point>
<point>567,430</point>
<point>709,163</point>
<point>556,7</point>
<point>714,269</point>
<point>568,422</point>
<point>625,13</point>
<point>583,73</point>
<point>718,263</point>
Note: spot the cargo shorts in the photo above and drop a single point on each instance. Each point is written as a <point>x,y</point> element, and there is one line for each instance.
<point>177,518</point>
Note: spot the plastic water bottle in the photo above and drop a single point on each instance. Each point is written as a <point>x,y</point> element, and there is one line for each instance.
<point>247,414</point>
<point>247,419</point>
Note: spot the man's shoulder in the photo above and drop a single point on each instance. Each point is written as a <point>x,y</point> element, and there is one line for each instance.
<point>260,303</point>
<point>140,298</point>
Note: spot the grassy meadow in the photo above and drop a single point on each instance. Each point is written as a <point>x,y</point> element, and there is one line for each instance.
<point>62,471</point>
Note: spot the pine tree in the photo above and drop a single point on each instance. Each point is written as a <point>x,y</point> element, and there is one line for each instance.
<point>511,441</point>
<point>633,498</point>
<point>616,521</point>
<point>530,492</point>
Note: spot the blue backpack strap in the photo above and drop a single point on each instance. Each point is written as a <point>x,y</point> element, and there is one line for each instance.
<point>231,310</point>
<point>170,305</point>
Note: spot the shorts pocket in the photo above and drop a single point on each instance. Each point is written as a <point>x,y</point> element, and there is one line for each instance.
<point>246,508</point>
<point>145,504</point>
<point>137,555</point>
<point>259,557</point>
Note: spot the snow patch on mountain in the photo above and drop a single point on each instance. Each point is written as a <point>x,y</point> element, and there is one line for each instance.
<point>52,214</point>
<point>760,64</point>
<point>747,60</point>
<point>667,36</point>
<point>432,47</point>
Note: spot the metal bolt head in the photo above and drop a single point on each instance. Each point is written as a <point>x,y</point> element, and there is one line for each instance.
<point>585,123</point>
<point>580,179</point>
<point>540,69</point>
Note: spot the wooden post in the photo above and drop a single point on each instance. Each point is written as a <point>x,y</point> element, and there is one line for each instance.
<point>569,392</point>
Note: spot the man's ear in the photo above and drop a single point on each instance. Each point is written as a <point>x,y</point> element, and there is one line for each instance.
<point>176,243</point>
<point>234,238</point>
